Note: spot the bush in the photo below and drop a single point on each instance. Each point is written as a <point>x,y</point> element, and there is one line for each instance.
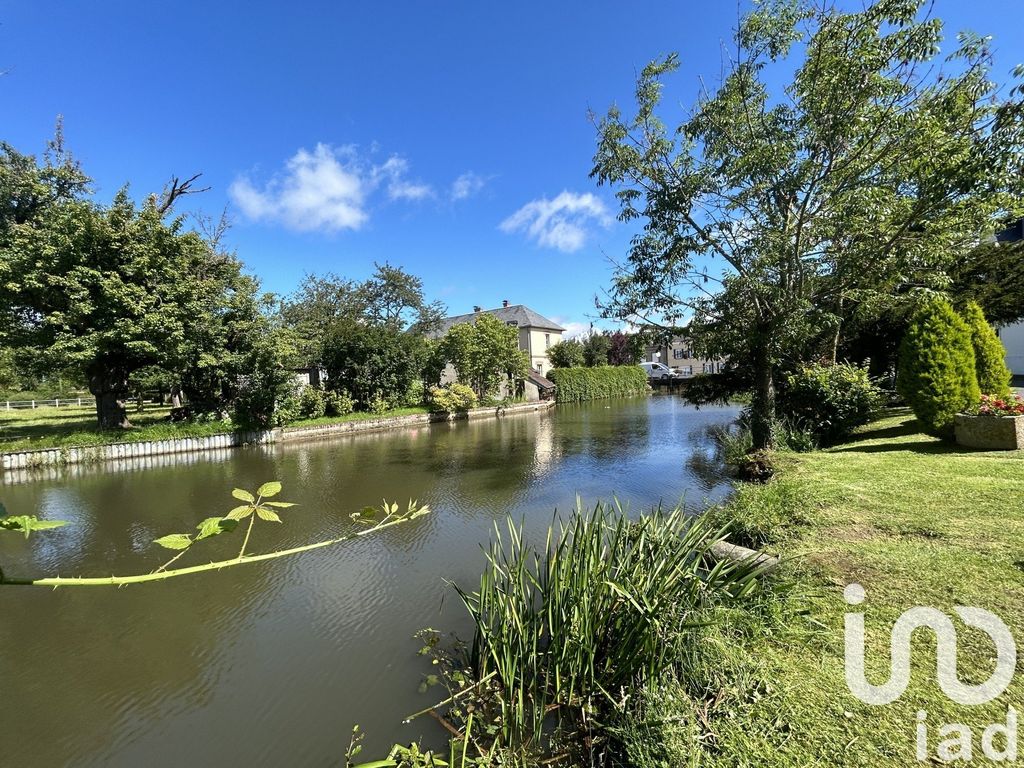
<point>339,403</point>
<point>312,403</point>
<point>378,405</point>
<point>989,355</point>
<point>829,401</point>
<point>566,354</point>
<point>451,398</point>
<point>936,371</point>
<point>578,384</point>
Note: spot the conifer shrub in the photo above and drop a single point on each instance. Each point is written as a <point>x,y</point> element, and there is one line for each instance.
<point>989,356</point>
<point>936,366</point>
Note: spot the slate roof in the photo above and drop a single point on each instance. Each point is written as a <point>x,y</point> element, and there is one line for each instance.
<point>521,315</point>
<point>541,382</point>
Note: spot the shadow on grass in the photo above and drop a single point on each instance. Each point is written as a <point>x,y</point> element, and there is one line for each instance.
<point>916,446</point>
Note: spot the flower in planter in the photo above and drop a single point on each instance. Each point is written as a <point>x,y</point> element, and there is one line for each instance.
<point>990,405</point>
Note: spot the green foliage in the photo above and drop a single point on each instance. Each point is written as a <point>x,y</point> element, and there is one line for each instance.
<point>452,398</point>
<point>758,515</point>
<point>989,354</point>
<point>858,164</point>
<point>596,348</point>
<point>578,384</point>
<point>484,353</point>
<point>255,505</point>
<point>338,403</point>
<point>829,400</point>
<point>373,363</point>
<point>936,369</point>
<point>566,354</point>
<point>26,524</point>
<point>602,606</point>
<point>992,275</point>
<point>378,405</point>
<point>312,403</point>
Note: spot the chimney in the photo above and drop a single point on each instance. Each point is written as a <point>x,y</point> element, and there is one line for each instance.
<point>504,303</point>
<point>477,309</point>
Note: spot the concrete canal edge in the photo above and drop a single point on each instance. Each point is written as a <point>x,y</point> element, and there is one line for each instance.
<point>93,454</point>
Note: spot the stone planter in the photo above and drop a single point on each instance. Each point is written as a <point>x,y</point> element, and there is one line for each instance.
<point>993,433</point>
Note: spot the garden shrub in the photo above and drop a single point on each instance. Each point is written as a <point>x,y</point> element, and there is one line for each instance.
<point>578,384</point>
<point>829,401</point>
<point>936,366</point>
<point>338,403</point>
<point>378,405</point>
<point>451,398</point>
<point>566,354</point>
<point>312,403</point>
<point>989,355</point>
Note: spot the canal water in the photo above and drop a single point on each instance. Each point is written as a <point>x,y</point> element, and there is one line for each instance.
<point>271,664</point>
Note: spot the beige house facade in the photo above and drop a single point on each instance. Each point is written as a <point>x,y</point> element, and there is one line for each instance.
<point>536,333</point>
<point>678,354</point>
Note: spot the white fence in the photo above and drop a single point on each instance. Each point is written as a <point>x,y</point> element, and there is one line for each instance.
<point>80,402</point>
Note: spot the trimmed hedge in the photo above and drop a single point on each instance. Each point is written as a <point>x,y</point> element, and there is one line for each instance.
<point>989,355</point>
<point>578,384</point>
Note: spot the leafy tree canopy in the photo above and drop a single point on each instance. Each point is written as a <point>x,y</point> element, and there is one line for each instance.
<point>770,216</point>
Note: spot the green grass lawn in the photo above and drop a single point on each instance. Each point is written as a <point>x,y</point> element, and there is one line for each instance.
<point>31,429</point>
<point>915,521</point>
<point>26,430</point>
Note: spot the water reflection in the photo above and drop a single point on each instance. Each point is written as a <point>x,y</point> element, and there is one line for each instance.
<point>270,664</point>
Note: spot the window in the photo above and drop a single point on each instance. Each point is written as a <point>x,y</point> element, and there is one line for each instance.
<point>687,370</point>
<point>678,354</point>
<point>513,323</point>
<point>547,340</point>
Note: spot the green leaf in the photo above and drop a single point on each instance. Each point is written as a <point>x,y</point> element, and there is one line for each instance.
<point>239,513</point>
<point>241,495</point>
<point>280,504</point>
<point>174,541</point>
<point>266,514</point>
<point>28,523</point>
<point>213,526</point>
<point>269,489</point>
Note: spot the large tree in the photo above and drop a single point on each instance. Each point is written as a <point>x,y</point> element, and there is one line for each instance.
<point>109,289</point>
<point>769,215</point>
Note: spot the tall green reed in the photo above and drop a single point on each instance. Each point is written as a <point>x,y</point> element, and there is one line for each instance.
<point>566,633</point>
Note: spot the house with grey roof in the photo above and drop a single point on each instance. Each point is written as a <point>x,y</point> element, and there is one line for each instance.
<point>536,332</point>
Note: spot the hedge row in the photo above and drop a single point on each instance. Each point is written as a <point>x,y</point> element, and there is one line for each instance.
<point>578,384</point>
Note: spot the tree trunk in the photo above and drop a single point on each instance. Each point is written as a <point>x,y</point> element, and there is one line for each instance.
<point>762,412</point>
<point>110,387</point>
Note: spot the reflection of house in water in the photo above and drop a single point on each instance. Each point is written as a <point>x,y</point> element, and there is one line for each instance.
<point>677,353</point>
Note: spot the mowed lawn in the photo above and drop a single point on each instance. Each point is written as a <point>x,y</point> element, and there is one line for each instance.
<point>31,429</point>
<point>915,521</point>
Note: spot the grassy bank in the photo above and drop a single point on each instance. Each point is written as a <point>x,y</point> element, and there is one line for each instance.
<point>916,522</point>
<point>27,430</point>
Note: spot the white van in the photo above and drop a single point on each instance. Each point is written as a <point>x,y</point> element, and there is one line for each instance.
<point>657,371</point>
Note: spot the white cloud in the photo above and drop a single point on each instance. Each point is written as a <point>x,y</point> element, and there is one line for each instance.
<point>399,187</point>
<point>326,189</point>
<point>560,223</point>
<point>574,330</point>
<point>467,185</point>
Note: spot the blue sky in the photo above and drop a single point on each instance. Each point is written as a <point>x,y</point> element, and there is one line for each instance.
<point>449,138</point>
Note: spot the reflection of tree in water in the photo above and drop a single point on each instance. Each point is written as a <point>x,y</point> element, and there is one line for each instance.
<point>706,461</point>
